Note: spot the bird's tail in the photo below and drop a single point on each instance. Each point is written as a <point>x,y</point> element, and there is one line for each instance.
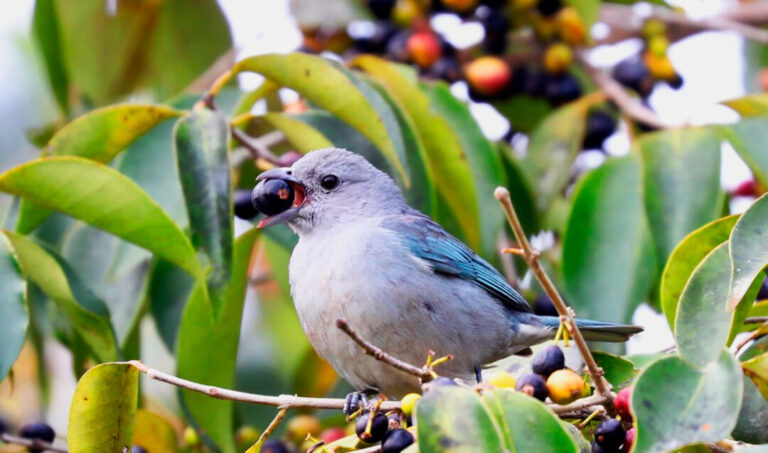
<point>597,330</point>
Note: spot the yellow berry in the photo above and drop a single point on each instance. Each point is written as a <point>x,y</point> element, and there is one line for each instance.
<point>190,436</point>
<point>301,425</point>
<point>503,380</point>
<point>658,45</point>
<point>405,13</point>
<point>408,403</point>
<point>246,436</point>
<point>557,58</point>
<point>570,26</point>
<point>653,27</point>
<point>545,28</point>
<point>565,386</point>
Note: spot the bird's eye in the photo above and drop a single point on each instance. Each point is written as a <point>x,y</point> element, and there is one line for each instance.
<point>329,182</point>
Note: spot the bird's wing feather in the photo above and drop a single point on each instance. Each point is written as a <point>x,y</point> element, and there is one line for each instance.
<point>447,255</point>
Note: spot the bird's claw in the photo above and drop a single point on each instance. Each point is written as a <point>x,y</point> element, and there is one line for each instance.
<point>354,402</point>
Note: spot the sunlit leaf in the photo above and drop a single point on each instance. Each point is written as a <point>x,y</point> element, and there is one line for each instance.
<point>757,369</point>
<point>45,26</point>
<point>14,316</point>
<point>752,105</point>
<point>154,433</point>
<point>302,136</point>
<point>589,10</point>
<point>749,249</point>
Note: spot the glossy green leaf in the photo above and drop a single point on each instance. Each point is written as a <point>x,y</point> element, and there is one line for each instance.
<point>528,424</point>
<point>302,136</point>
<point>327,86</point>
<point>83,309</point>
<point>589,10</point>
<point>443,151</point>
<point>103,410</point>
<point>154,433</point>
<point>456,420</point>
<point>203,160</point>
<point>753,416</point>
<point>684,259</point>
<point>168,289</point>
<point>553,147</point>
<point>677,404</point>
<point>207,347</point>
<point>98,135</point>
<point>757,369</point>
<point>608,258</point>
<point>752,105</point>
<point>682,183</point>
<point>749,249</point>
<point>88,191</point>
<point>249,99</point>
<point>524,112</point>
<point>313,376</point>
<point>618,370</point>
<point>14,316</point>
<point>747,137</point>
<point>45,26</point>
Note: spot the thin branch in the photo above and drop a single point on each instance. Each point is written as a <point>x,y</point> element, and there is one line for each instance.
<point>270,429</point>
<point>223,63</point>
<point>424,373</point>
<point>616,93</point>
<point>281,401</point>
<point>256,147</point>
<point>583,407</point>
<point>756,320</point>
<point>531,257</point>
<point>33,444</point>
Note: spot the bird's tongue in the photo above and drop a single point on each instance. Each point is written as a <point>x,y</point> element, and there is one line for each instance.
<point>290,213</point>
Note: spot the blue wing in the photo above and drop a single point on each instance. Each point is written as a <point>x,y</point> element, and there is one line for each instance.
<point>447,255</point>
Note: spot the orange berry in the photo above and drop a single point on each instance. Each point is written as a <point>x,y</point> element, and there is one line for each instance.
<point>460,6</point>
<point>570,26</point>
<point>424,48</point>
<point>565,386</point>
<point>660,67</point>
<point>557,58</point>
<point>488,75</point>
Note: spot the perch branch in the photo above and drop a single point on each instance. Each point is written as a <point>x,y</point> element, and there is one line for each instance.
<point>257,148</point>
<point>32,444</point>
<point>531,257</point>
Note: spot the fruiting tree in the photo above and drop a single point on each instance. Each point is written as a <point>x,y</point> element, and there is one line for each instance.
<point>119,241</point>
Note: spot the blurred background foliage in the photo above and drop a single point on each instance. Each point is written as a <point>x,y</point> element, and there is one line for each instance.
<point>146,266</point>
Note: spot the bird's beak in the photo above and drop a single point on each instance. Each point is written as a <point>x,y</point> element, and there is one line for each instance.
<point>299,200</point>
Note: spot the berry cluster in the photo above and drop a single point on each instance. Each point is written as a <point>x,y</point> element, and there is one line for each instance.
<point>611,435</point>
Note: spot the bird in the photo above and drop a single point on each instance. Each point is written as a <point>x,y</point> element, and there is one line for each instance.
<point>398,278</point>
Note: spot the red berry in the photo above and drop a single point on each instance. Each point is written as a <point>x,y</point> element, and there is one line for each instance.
<point>621,404</point>
<point>746,189</point>
<point>424,48</point>
<point>629,440</point>
<point>333,434</point>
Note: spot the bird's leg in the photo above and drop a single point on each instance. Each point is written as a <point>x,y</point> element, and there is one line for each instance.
<point>352,402</point>
<point>478,374</point>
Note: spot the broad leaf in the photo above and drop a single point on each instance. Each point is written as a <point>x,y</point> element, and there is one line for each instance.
<point>684,259</point>
<point>83,309</point>
<point>677,404</point>
<point>14,316</point>
<point>618,370</point>
<point>203,161</point>
<point>104,198</point>
<point>168,289</point>
<point>757,369</point>
<point>752,105</point>
<point>327,86</point>
<point>45,27</point>
<point>207,347</point>
<point>314,376</point>
<point>103,410</point>
<point>608,259</point>
<point>154,433</point>
<point>682,183</point>
<point>98,135</point>
<point>748,137</point>
<point>749,249</point>
<point>302,136</point>
<point>753,417</point>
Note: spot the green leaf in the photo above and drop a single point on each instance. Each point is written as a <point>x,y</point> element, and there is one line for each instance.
<point>747,137</point>
<point>753,417</point>
<point>207,347</point>
<point>99,135</point>
<point>677,404</point>
<point>302,136</point>
<point>168,289</point>
<point>519,190</point>
<point>553,147</point>
<point>749,249</point>
<point>313,376</point>
<point>84,310</point>
<point>104,198</point>
<point>685,257</point>
<point>14,314</point>
<point>327,86</point>
<point>456,420</point>
<point>103,410</point>
<point>528,424</point>
<point>524,112</point>
<point>249,99</point>
<point>618,370</point>
<point>682,183</point>
<point>45,26</point>
<point>757,369</point>
<point>608,258</point>
<point>154,433</point>
<point>752,105</point>
<point>589,10</point>
<point>203,161</point>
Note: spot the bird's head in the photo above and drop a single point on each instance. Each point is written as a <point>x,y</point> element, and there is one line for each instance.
<point>323,189</point>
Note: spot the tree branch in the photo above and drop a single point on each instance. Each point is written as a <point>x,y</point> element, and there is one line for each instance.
<point>531,257</point>
<point>257,148</point>
<point>33,444</point>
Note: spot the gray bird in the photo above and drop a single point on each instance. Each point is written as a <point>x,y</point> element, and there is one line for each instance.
<point>401,281</point>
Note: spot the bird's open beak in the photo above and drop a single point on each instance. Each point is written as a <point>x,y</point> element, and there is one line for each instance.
<point>299,197</point>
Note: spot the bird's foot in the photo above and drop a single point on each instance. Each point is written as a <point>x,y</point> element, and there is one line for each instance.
<point>357,401</point>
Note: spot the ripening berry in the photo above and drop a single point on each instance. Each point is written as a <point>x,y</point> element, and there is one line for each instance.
<point>37,430</point>
<point>396,441</point>
<point>424,48</point>
<point>632,73</point>
<point>246,436</point>
<point>405,13</point>
<point>488,76</point>
<point>272,196</point>
<point>570,26</point>
<point>557,58</point>
<point>653,27</point>
<point>629,440</point>
<point>565,386</point>
<point>622,403</point>
<point>191,437</point>
<point>301,425</point>
<point>610,435</point>
<point>408,403</point>
<point>533,385</point>
<point>660,67</point>
<point>379,427</point>
<point>333,434</point>
<point>502,379</point>
<point>548,360</point>
<point>658,45</point>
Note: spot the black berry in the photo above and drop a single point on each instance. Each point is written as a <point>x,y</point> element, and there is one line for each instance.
<point>446,68</point>
<point>244,208</point>
<point>379,427</point>
<point>37,430</point>
<point>632,73</point>
<point>562,89</point>
<point>495,25</point>
<point>533,385</point>
<point>598,449</point>
<point>274,446</point>
<point>396,441</point>
<point>600,126</point>
<point>610,435</point>
<point>138,449</point>
<point>549,7</point>
<point>377,41</point>
<point>381,9</point>
<point>762,293</point>
<point>548,360</point>
<point>543,306</point>
<point>272,196</point>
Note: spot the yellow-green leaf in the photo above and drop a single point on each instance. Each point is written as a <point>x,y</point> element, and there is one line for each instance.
<point>14,316</point>
<point>153,433</point>
<point>752,105</point>
<point>757,369</point>
<point>302,136</point>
